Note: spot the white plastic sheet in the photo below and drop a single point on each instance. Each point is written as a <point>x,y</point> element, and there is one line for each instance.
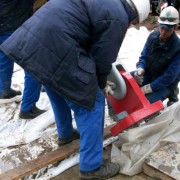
<point>136,144</point>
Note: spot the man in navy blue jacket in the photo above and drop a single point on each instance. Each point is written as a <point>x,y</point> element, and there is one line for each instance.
<point>12,15</point>
<point>69,46</point>
<point>158,69</point>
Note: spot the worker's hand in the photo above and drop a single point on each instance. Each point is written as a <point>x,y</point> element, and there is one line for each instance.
<point>138,75</point>
<point>146,89</point>
<point>108,90</point>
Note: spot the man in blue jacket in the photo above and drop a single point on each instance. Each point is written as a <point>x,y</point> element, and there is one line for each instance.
<point>12,15</point>
<point>158,69</point>
<point>69,47</point>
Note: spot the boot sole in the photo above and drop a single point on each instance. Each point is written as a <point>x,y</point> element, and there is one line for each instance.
<point>16,99</point>
<point>67,142</point>
<point>96,178</point>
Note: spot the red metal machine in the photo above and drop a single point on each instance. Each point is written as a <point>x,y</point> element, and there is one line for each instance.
<point>128,101</point>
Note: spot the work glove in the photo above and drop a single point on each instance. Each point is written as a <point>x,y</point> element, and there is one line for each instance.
<point>146,89</point>
<point>108,90</point>
<point>138,75</point>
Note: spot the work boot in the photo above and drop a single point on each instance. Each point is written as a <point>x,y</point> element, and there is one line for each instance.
<point>33,113</point>
<point>169,103</point>
<point>107,170</point>
<point>63,141</point>
<point>10,96</point>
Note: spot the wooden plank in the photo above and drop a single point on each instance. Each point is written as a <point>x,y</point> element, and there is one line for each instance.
<point>29,167</point>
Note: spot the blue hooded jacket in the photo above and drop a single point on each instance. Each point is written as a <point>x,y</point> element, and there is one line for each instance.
<point>69,45</point>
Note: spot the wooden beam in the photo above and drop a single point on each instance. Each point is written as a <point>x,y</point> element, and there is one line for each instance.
<point>29,167</point>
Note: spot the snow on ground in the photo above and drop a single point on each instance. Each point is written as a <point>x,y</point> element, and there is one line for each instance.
<point>24,140</point>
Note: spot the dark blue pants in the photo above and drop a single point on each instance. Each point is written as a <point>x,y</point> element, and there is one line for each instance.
<point>154,96</point>
<point>6,68</point>
<point>31,86</point>
<point>31,93</point>
<point>90,125</point>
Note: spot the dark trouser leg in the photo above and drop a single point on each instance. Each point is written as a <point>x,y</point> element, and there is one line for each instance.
<point>62,114</point>
<point>158,95</point>
<point>31,93</point>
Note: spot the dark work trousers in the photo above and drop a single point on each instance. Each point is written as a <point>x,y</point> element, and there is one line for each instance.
<point>31,93</point>
<point>157,95</point>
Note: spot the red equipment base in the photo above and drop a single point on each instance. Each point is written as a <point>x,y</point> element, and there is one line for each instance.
<point>135,104</point>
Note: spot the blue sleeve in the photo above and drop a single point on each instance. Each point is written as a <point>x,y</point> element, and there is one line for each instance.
<point>169,75</point>
<point>108,37</point>
<point>142,63</point>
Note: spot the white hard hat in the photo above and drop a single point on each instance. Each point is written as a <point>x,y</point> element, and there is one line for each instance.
<point>169,15</point>
<point>142,7</point>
